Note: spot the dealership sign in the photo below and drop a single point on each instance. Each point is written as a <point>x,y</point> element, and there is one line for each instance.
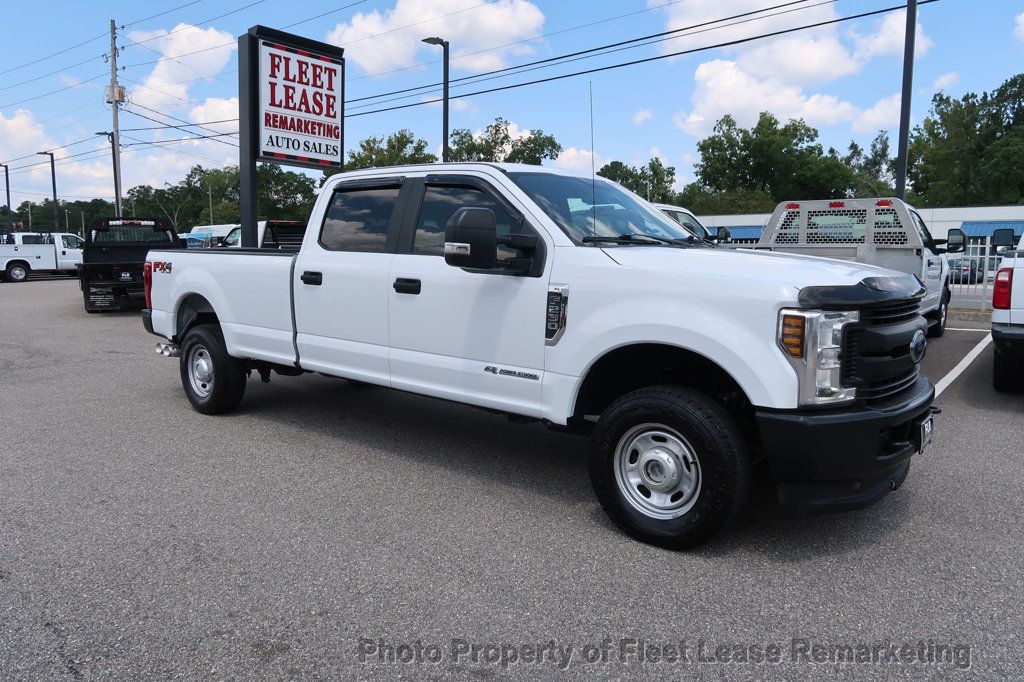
<point>299,105</point>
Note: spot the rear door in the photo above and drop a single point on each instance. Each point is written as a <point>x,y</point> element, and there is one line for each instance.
<point>341,286</point>
<point>462,335</point>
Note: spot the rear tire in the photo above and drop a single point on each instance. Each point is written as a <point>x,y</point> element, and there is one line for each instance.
<point>1007,373</point>
<point>669,466</point>
<point>214,382</point>
<point>16,272</point>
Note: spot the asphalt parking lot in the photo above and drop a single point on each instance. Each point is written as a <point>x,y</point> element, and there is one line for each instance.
<point>325,523</point>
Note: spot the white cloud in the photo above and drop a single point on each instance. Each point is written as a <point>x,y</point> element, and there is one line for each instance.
<point>642,116</point>
<point>216,109</point>
<point>578,159</point>
<point>946,80</point>
<point>466,24</point>
<point>459,104</point>
<point>1018,30</point>
<point>889,38</point>
<point>190,54</point>
<point>724,88</point>
<point>883,115</point>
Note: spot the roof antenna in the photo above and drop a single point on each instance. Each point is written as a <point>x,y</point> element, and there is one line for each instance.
<point>593,172</point>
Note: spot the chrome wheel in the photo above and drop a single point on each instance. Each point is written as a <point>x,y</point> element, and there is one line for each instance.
<point>17,273</point>
<point>657,471</point>
<point>200,370</point>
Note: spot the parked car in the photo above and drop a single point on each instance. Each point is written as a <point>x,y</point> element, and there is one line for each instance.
<point>964,271</point>
<point>48,252</point>
<point>685,218</point>
<point>568,300</point>
<point>1008,321</point>
<point>272,234</point>
<point>110,275</point>
<point>885,232</point>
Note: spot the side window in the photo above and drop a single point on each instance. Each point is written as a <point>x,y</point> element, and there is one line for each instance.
<point>440,202</point>
<point>922,230</point>
<point>358,220</point>
<point>71,241</point>
<point>233,237</point>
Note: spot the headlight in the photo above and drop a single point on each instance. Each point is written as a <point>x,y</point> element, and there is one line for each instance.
<point>812,341</point>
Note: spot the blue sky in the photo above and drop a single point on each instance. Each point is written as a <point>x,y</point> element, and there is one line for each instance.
<point>843,79</point>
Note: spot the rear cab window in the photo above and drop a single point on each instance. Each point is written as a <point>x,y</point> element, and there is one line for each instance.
<point>359,219</point>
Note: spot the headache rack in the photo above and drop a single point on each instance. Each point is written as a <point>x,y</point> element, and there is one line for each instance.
<point>876,231</point>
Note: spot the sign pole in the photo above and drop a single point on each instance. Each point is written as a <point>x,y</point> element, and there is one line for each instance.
<point>248,144</point>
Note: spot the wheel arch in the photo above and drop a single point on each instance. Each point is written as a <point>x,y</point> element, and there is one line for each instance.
<point>191,310</point>
<point>638,365</point>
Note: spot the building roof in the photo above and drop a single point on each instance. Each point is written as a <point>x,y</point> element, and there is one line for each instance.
<point>985,228</point>
<point>746,231</point>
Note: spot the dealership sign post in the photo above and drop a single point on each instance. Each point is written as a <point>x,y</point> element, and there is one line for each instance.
<point>291,109</point>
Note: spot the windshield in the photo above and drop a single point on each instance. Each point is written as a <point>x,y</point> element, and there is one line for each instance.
<point>588,209</point>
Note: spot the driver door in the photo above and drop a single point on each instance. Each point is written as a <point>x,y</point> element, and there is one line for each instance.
<point>934,266</point>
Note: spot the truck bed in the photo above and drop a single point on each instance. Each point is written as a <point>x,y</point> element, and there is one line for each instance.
<point>253,288</point>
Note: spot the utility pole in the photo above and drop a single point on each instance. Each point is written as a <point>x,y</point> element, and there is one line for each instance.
<point>82,213</point>
<point>908,84</point>
<point>53,177</point>
<point>115,97</point>
<point>209,188</point>
<point>7,181</point>
<point>29,216</point>
<point>67,220</point>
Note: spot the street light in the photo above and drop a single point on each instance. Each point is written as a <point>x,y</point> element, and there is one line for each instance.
<point>444,45</point>
<point>53,177</point>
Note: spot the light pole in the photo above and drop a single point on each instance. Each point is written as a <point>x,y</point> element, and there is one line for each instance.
<point>53,177</point>
<point>908,84</point>
<point>7,181</point>
<point>117,171</point>
<point>444,45</point>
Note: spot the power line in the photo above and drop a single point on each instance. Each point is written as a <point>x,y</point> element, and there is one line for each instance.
<point>173,118</point>
<point>174,150</point>
<point>185,139</point>
<point>54,54</point>
<point>324,14</point>
<point>634,62</point>
<point>590,52</point>
<point>190,125</point>
<point>463,55</point>
<point>200,23</point>
<point>52,92</point>
<point>53,149</point>
<point>160,14</point>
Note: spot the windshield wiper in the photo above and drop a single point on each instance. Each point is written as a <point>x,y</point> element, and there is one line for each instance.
<point>635,238</point>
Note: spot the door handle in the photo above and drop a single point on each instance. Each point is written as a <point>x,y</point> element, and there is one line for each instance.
<point>407,286</point>
<point>312,278</point>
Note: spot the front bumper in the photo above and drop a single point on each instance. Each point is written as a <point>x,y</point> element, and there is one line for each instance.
<point>838,460</point>
<point>1009,339</point>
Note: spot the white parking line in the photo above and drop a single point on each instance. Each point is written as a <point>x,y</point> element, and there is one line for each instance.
<point>963,329</point>
<point>962,366</point>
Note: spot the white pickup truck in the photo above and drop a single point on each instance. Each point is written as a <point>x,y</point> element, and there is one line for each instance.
<point>547,296</point>
<point>56,252</point>
<point>1008,321</point>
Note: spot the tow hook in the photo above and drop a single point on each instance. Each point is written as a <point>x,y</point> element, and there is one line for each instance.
<point>168,350</point>
<point>936,410</point>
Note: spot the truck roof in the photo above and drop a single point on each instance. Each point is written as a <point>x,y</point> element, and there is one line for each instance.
<point>455,166</point>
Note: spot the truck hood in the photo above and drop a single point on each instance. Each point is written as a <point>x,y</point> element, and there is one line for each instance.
<point>766,267</point>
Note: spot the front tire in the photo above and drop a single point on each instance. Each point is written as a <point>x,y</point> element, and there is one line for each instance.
<point>214,382</point>
<point>669,466</point>
<point>1007,373</point>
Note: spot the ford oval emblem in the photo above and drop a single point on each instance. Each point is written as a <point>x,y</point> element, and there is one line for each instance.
<point>918,345</point>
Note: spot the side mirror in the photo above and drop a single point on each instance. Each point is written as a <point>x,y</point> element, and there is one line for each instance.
<point>956,241</point>
<point>723,235</point>
<point>470,239</point>
<point>1003,239</point>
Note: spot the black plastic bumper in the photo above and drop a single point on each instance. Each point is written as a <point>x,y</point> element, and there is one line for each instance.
<point>147,320</point>
<point>837,460</point>
<point>1009,339</point>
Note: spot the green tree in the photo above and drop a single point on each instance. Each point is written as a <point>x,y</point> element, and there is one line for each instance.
<point>497,144</point>
<point>398,148</point>
<point>970,150</point>
<point>653,181</point>
<point>785,161</point>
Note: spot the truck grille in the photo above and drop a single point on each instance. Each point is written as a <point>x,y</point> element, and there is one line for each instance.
<point>876,351</point>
